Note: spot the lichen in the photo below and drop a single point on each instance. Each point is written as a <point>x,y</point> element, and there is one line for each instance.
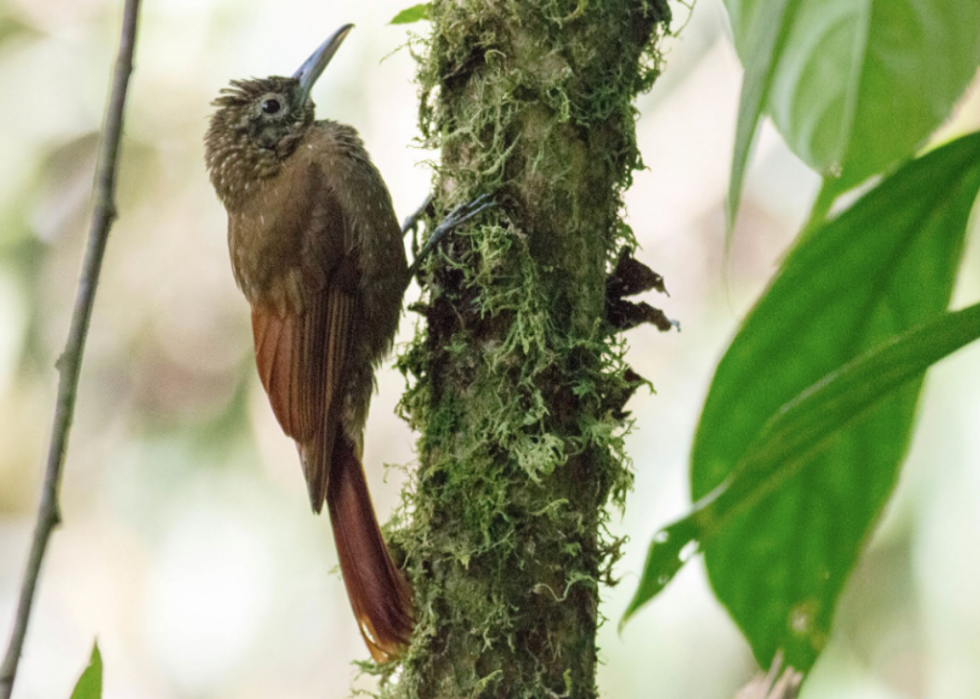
<point>514,377</point>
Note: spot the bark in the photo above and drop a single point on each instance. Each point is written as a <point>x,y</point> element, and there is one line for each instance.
<point>516,379</point>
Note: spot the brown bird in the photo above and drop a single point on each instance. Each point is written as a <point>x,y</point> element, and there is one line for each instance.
<point>317,251</point>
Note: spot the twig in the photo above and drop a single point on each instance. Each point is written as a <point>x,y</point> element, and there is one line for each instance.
<point>778,683</point>
<point>70,362</point>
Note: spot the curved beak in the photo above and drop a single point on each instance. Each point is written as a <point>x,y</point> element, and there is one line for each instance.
<point>314,66</point>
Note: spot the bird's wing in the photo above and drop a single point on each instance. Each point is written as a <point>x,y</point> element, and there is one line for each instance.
<point>301,348</point>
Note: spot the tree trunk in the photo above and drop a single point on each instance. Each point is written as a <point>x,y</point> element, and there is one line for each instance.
<point>516,379</point>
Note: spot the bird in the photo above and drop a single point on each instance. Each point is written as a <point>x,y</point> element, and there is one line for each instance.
<point>317,251</point>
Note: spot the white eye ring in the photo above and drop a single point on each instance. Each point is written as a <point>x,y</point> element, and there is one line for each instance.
<point>272,104</point>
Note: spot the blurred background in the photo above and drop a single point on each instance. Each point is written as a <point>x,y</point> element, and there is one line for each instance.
<point>188,548</point>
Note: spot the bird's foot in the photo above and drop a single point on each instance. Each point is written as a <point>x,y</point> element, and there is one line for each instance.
<point>412,223</point>
<point>455,218</point>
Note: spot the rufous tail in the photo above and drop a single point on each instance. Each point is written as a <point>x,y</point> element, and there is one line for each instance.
<point>381,598</point>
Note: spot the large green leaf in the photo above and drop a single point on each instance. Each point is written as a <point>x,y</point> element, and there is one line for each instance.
<point>797,433</point>
<point>89,685</point>
<point>860,84</point>
<point>884,266</point>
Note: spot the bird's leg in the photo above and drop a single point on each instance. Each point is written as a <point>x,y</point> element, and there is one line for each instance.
<point>412,223</point>
<point>458,216</point>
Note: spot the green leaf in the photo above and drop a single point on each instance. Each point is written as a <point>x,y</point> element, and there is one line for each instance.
<point>884,266</point>
<point>416,13</point>
<point>861,84</point>
<point>89,685</point>
<point>761,60</point>
<point>797,433</point>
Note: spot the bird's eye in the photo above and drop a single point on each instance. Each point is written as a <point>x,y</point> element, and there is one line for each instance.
<point>271,106</point>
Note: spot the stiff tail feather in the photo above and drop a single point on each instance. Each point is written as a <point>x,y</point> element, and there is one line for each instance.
<point>381,598</point>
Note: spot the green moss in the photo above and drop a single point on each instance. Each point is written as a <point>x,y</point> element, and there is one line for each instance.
<point>514,380</point>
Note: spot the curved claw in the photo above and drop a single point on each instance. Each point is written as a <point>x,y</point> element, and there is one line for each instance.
<point>412,221</point>
<point>455,218</point>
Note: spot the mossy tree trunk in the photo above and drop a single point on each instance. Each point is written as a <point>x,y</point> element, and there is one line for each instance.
<point>516,378</point>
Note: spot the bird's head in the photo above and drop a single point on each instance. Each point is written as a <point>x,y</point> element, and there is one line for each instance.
<point>259,122</point>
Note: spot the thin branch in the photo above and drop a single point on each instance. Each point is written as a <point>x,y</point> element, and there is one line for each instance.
<point>70,363</point>
<point>778,683</point>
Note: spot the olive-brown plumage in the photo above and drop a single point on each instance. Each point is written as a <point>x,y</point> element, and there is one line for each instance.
<point>317,251</point>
